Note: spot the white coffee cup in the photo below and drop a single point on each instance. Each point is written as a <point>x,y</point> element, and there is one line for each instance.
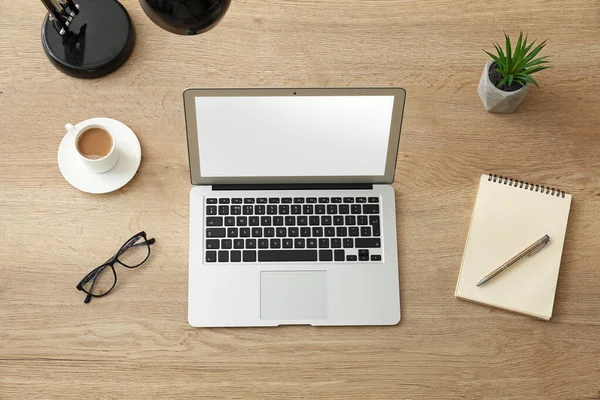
<point>96,165</point>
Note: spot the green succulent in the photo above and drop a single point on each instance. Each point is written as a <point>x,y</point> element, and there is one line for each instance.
<point>518,66</point>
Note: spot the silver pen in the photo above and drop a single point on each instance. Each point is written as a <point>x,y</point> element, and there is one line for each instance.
<point>531,250</point>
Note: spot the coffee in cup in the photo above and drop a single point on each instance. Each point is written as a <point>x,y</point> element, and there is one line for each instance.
<point>94,143</point>
<point>96,146</point>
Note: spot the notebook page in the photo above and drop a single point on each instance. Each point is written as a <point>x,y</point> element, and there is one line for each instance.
<point>505,221</point>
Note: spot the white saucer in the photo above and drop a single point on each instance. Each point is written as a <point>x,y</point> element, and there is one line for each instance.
<point>130,156</point>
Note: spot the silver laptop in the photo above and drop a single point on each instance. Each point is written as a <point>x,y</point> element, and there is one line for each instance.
<point>292,215</point>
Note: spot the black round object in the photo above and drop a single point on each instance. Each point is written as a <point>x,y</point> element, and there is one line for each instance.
<point>185,17</point>
<point>100,39</point>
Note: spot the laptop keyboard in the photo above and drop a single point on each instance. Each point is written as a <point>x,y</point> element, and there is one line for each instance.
<point>292,229</point>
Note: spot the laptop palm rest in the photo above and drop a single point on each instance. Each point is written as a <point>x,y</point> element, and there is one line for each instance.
<point>293,295</point>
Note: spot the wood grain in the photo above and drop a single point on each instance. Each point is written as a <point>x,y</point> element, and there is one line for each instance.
<point>136,343</point>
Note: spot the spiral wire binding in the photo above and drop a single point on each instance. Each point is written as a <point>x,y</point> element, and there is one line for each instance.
<point>525,185</point>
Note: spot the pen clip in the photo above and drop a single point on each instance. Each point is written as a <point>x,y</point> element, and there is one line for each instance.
<point>544,243</point>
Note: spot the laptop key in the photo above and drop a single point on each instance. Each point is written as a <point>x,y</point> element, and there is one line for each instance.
<point>339,255</point>
<point>338,220</point>
<point>241,221</point>
<point>375,257</point>
<point>365,231</point>
<point>257,232</point>
<point>253,221</point>
<point>374,219</point>
<point>348,199</point>
<point>284,209</point>
<point>311,200</point>
<point>229,221</point>
<point>368,243</point>
<point>361,199</point>
<point>290,220</point>
<point>275,243</point>
<point>308,209</point>
<point>288,243</point>
<point>363,252</point>
<point>305,231</point>
<point>212,244</point>
<point>317,231</point>
<point>261,200</point>
<point>269,232</point>
<point>260,209</point>
<point>273,200</point>
<point>265,221</point>
<point>245,232</point>
<point>353,231</point>
<point>211,256</point>
<point>350,220</point>
<point>278,221</point>
<point>281,232</point>
<point>232,232</point>
<point>214,221</point>
<point>351,258</point>
<point>223,210</point>
<point>293,231</point>
<point>349,243</point>
<point>329,231</point>
<point>298,200</point>
<point>311,243</point>
<point>325,255</point>
<point>326,220</point>
<point>324,243</point>
<point>211,201</point>
<point>371,208</point>
<point>296,209</point>
<point>302,220</point>
<point>226,244</point>
<point>211,210</point>
<point>323,199</point>
<point>344,209</point>
<point>287,255</point>
<point>236,210</point>
<point>223,256</point>
<point>286,200</point>
<point>332,209</point>
<point>238,244</point>
<point>215,232</point>
<point>248,201</point>
<point>376,231</point>
<point>373,199</point>
<point>299,243</point>
<point>250,243</point>
<point>271,209</point>
<point>336,199</point>
<point>319,209</point>
<point>341,231</point>
<point>263,243</point>
<point>336,243</point>
<point>248,210</point>
<point>249,256</point>
<point>362,220</point>
<point>223,201</point>
<point>314,220</point>
<point>237,200</point>
<point>235,256</point>
<point>356,208</point>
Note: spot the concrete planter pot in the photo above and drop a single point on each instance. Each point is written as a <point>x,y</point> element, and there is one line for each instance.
<point>496,100</point>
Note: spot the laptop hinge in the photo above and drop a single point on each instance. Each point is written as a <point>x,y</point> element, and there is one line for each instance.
<point>296,186</point>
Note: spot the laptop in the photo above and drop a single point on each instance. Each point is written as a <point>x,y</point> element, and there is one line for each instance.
<point>292,212</point>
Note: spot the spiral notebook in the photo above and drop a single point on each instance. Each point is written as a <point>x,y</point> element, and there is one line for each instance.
<point>509,215</point>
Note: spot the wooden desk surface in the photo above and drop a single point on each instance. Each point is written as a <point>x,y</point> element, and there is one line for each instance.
<point>136,343</point>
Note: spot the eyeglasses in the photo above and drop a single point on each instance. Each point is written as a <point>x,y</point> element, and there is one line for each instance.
<point>101,280</point>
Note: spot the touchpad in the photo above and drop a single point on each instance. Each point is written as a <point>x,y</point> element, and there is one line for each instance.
<point>288,295</point>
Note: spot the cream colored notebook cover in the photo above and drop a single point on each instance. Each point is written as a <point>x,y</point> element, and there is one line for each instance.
<point>509,216</point>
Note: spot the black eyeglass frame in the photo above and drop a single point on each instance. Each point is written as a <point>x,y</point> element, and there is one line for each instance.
<point>111,262</point>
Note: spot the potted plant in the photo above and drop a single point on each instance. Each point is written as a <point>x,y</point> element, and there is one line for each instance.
<point>507,76</point>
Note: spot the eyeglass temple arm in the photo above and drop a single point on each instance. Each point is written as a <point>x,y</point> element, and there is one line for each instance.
<point>150,241</point>
<point>88,298</point>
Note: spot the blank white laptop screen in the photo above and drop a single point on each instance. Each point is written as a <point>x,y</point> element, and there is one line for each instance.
<point>293,135</point>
